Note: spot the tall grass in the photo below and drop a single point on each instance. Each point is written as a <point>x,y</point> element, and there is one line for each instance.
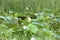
<point>33,5</point>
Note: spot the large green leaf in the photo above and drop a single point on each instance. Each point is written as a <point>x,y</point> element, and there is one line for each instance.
<point>32,28</point>
<point>11,22</point>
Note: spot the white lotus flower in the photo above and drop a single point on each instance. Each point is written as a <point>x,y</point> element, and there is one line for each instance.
<point>29,19</point>
<point>25,27</point>
<point>32,38</point>
<point>26,8</point>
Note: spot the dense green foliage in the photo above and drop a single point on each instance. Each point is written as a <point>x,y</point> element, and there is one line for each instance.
<point>29,20</point>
